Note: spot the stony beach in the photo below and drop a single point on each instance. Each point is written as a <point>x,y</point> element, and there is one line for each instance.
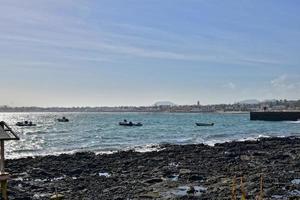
<point>173,172</point>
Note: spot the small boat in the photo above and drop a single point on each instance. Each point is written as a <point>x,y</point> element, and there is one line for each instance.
<point>25,123</point>
<point>63,119</point>
<point>125,123</point>
<point>205,124</point>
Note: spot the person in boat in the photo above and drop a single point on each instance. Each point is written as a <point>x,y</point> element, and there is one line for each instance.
<point>30,123</point>
<point>63,119</point>
<point>26,122</point>
<point>130,123</point>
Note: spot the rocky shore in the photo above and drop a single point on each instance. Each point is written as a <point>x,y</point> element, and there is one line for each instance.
<point>174,172</point>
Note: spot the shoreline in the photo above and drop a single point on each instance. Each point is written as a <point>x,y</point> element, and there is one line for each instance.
<point>165,174</point>
<point>144,148</point>
<point>172,112</point>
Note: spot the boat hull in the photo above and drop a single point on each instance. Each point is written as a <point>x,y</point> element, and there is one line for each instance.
<point>20,124</point>
<point>130,124</point>
<point>62,120</point>
<point>204,124</point>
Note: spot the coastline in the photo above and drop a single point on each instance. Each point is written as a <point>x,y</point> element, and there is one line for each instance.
<point>165,174</point>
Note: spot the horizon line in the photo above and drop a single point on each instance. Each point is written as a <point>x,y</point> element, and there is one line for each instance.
<point>152,105</point>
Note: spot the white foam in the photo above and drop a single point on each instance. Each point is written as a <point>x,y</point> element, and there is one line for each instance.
<point>34,154</point>
<point>105,152</point>
<point>213,142</point>
<point>294,122</point>
<point>253,138</point>
<point>146,148</point>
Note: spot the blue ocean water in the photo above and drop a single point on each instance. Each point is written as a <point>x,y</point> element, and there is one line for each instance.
<point>101,133</point>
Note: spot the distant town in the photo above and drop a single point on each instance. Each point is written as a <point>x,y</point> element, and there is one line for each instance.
<point>243,106</point>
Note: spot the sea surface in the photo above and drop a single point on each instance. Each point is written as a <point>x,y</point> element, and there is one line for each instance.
<point>101,133</point>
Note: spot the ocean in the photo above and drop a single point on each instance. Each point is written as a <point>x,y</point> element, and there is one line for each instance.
<point>100,132</point>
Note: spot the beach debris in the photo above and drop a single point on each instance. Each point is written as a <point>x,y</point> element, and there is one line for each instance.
<point>105,174</point>
<point>277,196</point>
<point>173,164</point>
<point>243,189</point>
<point>184,171</point>
<point>188,190</point>
<point>150,195</point>
<point>245,157</point>
<point>57,197</point>
<point>261,190</point>
<point>296,181</point>
<point>233,191</point>
<point>41,195</point>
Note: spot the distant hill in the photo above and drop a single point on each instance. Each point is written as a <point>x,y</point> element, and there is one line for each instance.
<point>269,100</point>
<point>164,103</point>
<point>249,101</point>
<point>255,101</point>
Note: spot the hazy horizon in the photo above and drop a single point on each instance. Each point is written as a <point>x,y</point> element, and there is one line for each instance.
<point>134,53</point>
<point>244,101</point>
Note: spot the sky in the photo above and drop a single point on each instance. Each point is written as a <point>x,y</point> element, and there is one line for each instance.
<point>137,52</point>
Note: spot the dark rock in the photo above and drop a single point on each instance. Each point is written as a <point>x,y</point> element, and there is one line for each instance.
<point>153,180</point>
<point>196,178</point>
<point>137,175</point>
<point>75,172</point>
<point>191,190</point>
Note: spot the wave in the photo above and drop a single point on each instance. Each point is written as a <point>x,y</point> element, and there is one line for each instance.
<point>215,141</point>
<point>185,140</point>
<point>45,132</point>
<point>147,148</point>
<point>293,122</point>
<point>15,154</point>
<point>222,135</point>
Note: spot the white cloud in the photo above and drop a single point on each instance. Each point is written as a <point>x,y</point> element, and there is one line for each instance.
<point>229,85</point>
<point>285,82</point>
<point>279,81</point>
<point>34,25</point>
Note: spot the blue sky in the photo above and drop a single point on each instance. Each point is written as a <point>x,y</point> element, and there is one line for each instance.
<point>136,52</point>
